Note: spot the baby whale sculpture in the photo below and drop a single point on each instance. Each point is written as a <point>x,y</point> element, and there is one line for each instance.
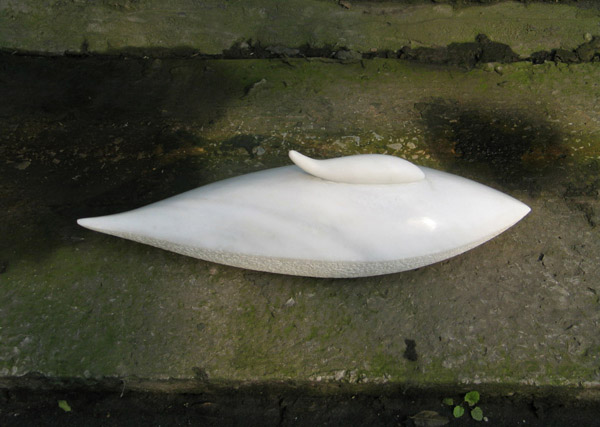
<point>352,216</point>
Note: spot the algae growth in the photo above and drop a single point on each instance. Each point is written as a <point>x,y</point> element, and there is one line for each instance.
<point>521,309</point>
<point>212,27</point>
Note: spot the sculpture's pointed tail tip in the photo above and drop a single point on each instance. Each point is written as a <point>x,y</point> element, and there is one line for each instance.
<point>110,224</point>
<point>95,224</point>
<point>83,222</point>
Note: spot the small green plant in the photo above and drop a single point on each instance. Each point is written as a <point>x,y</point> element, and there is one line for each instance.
<point>62,404</point>
<point>472,397</point>
<point>470,400</point>
<point>448,401</point>
<point>477,413</point>
<point>458,411</point>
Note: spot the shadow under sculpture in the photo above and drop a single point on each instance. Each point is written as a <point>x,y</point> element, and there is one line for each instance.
<point>354,216</point>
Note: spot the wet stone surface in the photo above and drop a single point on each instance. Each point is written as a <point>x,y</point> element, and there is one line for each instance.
<point>91,136</point>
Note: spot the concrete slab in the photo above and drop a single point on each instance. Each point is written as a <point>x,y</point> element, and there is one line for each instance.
<point>212,26</point>
<point>91,136</point>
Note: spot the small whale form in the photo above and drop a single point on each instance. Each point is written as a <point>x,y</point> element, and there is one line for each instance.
<point>360,169</point>
<point>354,216</point>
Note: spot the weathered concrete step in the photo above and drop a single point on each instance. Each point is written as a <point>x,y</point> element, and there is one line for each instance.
<point>214,26</point>
<point>87,136</point>
<point>286,405</point>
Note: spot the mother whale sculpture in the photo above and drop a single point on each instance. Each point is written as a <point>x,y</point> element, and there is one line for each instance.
<point>354,216</point>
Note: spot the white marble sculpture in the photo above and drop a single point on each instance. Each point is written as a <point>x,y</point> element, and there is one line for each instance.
<point>353,216</point>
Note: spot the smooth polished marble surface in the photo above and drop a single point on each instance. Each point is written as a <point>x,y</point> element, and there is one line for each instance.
<point>285,220</point>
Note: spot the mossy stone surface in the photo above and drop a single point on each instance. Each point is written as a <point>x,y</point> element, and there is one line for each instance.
<point>212,26</point>
<point>92,136</point>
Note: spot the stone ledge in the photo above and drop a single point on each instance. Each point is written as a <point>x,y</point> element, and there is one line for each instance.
<point>91,136</point>
<point>212,26</point>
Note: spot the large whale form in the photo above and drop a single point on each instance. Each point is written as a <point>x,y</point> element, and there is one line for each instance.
<point>352,216</point>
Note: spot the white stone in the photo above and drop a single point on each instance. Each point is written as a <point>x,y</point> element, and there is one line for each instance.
<point>285,220</point>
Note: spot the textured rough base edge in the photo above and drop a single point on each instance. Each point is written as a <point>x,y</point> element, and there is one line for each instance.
<point>305,267</point>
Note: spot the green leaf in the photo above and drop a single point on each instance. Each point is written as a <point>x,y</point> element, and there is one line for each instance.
<point>458,411</point>
<point>448,401</point>
<point>477,413</point>
<point>62,404</point>
<point>472,398</point>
